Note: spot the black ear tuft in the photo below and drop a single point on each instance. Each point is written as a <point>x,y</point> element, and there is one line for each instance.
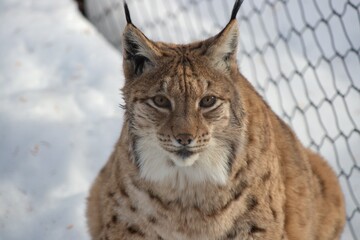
<point>236,8</point>
<point>127,13</point>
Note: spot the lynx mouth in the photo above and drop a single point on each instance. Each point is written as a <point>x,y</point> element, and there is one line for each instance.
<point>184,157</point>
<point>184,153</point>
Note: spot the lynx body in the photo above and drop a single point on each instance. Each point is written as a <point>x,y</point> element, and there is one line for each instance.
<point>202,156</point>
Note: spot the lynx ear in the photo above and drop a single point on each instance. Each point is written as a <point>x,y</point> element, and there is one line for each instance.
<point>223,47</point>
<point>139,52</point>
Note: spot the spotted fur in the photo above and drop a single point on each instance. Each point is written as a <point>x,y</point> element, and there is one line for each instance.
<point>202,156</point>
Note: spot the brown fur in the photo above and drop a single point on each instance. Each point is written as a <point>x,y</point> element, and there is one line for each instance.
<point>274,187</point>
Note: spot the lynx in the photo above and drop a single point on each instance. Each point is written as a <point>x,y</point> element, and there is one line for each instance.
<point>202,156</point>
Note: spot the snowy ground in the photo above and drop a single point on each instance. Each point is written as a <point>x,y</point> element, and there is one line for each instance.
<point>59,117</point>
<point>59,114</point>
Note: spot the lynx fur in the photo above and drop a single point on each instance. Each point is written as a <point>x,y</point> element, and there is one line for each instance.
<point>202,156</point>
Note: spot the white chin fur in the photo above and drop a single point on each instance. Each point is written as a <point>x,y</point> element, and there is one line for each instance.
<point>187,162</point>
<point>158,165</point>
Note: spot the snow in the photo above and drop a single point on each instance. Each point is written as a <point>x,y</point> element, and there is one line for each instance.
<point>59,97</point>
<point>59,117</point>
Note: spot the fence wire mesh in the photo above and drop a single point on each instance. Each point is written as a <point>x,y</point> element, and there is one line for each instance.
<point>303,56</point>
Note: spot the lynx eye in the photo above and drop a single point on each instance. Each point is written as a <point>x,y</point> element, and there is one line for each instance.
<point>208,101</point>
<point>162,102</point>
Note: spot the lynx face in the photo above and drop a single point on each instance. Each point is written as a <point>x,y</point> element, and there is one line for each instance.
<point>179,100</point>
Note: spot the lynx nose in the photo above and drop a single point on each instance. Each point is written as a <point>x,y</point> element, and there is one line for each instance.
<point>184,139</point>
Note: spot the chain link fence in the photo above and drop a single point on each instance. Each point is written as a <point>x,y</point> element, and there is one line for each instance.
<point>303,56</point>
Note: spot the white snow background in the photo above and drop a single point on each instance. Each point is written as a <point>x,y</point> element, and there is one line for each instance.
<point>59,97</point>
<point>59,117</point>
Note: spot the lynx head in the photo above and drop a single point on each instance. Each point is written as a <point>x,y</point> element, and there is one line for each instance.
<point>182,105</point>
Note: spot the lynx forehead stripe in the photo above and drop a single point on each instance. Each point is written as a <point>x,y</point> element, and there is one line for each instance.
<point>236,8</point>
